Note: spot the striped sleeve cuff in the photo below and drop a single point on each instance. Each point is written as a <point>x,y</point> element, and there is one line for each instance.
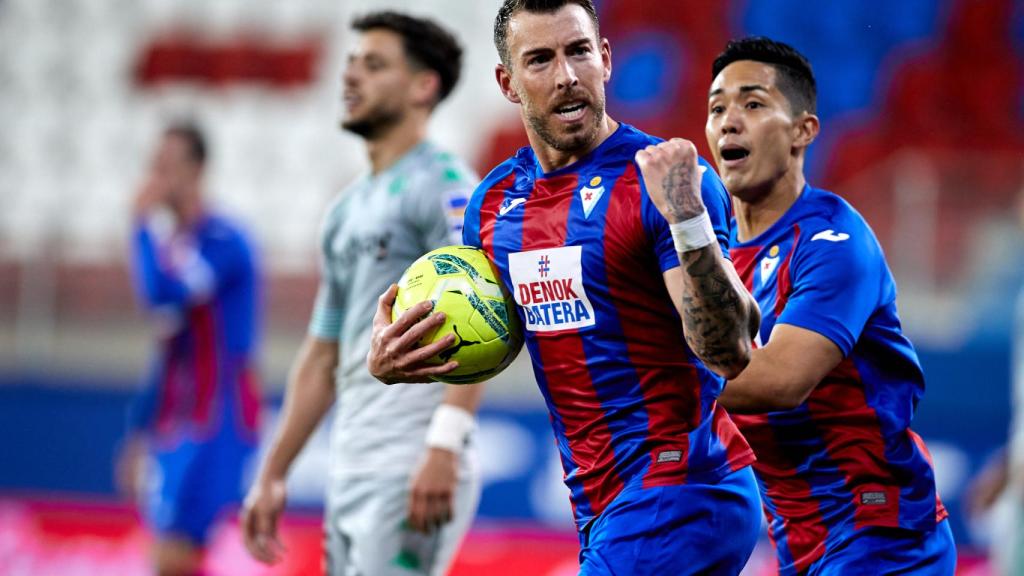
<point>326,323</point>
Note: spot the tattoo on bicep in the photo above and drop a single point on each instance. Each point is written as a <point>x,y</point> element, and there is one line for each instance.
<point>680,200</point>
<point>714,315</point>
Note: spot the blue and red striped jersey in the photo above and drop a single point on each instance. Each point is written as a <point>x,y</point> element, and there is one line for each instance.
<point>201,286</point>
<point>584,249</point>
<point>846,458</point>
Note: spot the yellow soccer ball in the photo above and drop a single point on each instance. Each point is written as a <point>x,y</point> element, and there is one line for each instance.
<point>462,282</point>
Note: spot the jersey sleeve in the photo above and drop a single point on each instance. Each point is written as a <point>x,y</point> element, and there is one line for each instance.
<point>329,306</point>
<point>471,222</point>
<point>837,277</point>
<point>193,279</point>
<point>716,202</point>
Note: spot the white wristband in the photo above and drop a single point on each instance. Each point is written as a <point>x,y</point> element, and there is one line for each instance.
<point>450,428</point>
<point>693,234</point>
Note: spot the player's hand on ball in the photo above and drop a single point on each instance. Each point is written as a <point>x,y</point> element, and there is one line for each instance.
<point>260,513</point>
<point>395,355</point>
<point>672,177</point>
<point>432,490</point>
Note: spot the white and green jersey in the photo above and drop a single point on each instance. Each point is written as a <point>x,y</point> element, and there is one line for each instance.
<point>379,225</point>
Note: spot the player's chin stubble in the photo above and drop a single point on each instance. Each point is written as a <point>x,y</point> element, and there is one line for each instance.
<point>373,124</point>
<point>567,141</point>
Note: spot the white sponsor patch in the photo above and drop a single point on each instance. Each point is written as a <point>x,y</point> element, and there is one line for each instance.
<point>549,287</point>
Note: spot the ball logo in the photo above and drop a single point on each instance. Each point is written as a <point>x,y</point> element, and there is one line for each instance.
<point>549,288</point>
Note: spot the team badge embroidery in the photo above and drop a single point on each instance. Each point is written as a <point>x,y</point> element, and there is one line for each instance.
<point>769,263</point>
<point>590,194</point>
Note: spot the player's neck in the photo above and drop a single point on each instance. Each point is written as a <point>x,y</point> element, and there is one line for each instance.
<point>759,211</point>
<point>189,210</point>
<point>388,147</point>
<point>551,159</point>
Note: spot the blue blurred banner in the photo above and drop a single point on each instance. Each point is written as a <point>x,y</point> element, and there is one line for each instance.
<point>64,434</point>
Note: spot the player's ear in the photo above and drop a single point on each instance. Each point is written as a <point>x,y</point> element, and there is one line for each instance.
<point>504,78</point>
<point>426,87</point>
<point>805,129</point>
<point>606,59</point>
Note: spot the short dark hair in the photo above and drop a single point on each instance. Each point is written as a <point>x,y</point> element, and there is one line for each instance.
<point>426,44</point>
<point>793,72</point>
<point>510,7</point>
<point>193,136</point>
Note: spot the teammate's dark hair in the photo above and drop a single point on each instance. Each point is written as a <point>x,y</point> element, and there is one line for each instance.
<point>426,44</point>
<point>793,72</point>
<point>510,7</point>
<point>192,134</point>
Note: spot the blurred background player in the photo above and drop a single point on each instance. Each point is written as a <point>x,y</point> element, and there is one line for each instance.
<point>829,394</point>
<point>658,474</point>
<point>198,278</point>
<point>404,485</point>
<point>995,496</point>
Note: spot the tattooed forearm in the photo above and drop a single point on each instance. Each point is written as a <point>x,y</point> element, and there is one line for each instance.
<point>716,316</point>
<point>678,184</point>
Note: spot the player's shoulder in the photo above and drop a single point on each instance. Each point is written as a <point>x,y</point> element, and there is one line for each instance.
<point>438,169</point>
<point>220,227</point>
<point>637,139</point>
<point>824,209</point>
<point>633,136</point>
<point>219,232</point>
<point>829,220</point>
<point>520,165</point>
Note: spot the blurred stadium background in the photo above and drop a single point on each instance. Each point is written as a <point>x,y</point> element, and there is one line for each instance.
<point>922,103</point>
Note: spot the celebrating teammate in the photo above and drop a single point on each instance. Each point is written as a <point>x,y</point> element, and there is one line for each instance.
<point>588,227</point>
<point>198,414</point>
<point>847,487</point>
<point>404,485</point>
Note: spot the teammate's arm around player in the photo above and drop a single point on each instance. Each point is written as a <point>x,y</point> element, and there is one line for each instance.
<point>309,395</point>
<point>719,315</point>
<point>783,374</point>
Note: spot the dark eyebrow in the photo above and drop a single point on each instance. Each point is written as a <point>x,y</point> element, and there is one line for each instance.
<point>541,50</point>
<point>743,89</point>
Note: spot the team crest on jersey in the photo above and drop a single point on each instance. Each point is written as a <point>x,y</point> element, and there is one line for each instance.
<point>549,288</point>
<point>769,263</point>
<point>590,194</point>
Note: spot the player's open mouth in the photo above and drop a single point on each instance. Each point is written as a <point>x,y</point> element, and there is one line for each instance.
<point>572,111</point>
<point>350,100</point>
<point>733,154</point>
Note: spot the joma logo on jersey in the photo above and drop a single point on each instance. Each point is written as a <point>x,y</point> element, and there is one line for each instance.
<point>549,288</point>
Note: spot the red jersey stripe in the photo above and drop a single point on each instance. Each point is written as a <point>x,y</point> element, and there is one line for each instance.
<point>804,530</point>
<point>785,282</point>
<point>489,213</point>
<point>575,400</point>
<point>856,446</point>
<point>672,403</point>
